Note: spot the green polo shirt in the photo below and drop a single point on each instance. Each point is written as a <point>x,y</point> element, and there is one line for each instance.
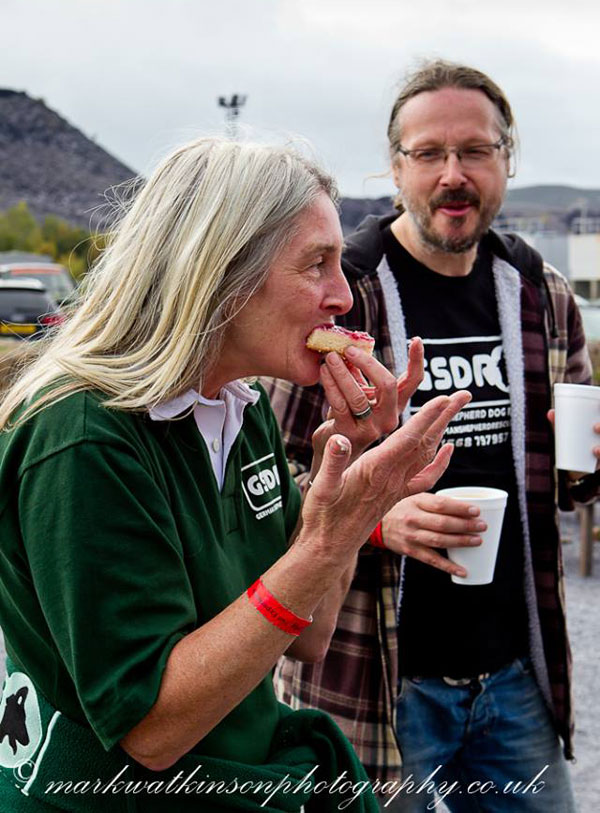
<point>116,543</point>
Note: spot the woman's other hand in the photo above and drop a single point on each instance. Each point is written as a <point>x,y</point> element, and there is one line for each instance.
<point>346,500</point>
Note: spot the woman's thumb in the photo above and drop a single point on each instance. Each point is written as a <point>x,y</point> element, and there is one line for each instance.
<point>336,457</point>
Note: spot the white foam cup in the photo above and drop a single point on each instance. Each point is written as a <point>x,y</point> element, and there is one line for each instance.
<point>577,410</point>
<point>479,561</point>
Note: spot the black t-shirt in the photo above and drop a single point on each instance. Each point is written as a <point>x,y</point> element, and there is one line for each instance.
<point>446,628</point>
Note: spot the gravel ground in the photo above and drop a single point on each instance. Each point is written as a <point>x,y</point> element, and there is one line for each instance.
<point>583,617</point>
<point>583,606</point>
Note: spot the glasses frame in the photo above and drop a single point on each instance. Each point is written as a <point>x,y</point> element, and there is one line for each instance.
<point>447,151</point>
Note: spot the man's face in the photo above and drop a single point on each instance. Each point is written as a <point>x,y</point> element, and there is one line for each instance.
<point>450,204</point>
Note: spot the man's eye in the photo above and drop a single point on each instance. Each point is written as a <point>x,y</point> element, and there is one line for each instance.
<point>427,156</point>
<point>477,153</point>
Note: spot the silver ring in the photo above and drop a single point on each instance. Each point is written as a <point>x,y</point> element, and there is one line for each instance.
<point>360,416</point>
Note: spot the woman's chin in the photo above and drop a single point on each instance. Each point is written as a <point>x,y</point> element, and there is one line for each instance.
<point>305,373</point>
<point>308,377</point>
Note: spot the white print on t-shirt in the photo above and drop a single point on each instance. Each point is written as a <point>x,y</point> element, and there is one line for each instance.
<point>476,367</point>
<point>443,372</point>
<point>262,486</point>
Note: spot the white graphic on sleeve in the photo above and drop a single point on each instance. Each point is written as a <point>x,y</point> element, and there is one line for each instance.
<point>486,420</point>
<point>262,486</point>
<point>20,721</point>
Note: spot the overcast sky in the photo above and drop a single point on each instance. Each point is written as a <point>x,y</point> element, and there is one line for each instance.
<point>143,75</point>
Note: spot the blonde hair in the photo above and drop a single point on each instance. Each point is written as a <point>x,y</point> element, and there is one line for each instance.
<point>196,243</point>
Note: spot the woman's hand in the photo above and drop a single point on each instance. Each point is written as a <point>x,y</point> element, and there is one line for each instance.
<point>349,396</point>
<point>347,501</point>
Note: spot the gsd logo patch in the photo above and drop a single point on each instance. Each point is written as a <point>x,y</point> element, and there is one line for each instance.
<point>262,486</point>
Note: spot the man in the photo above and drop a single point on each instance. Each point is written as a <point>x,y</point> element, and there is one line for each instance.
<point>461,684</point>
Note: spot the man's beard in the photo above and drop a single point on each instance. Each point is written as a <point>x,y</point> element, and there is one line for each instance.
<point>452,244</point>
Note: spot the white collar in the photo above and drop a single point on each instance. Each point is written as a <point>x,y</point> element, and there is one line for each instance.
<point>219,420</point>
<point>170,409</point>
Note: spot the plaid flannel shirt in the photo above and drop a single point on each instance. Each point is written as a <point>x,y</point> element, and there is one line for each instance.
<point>357,681</point>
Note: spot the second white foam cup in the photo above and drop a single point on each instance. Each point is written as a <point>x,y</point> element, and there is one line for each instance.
<point>577,410</point>
<point>479,561</point>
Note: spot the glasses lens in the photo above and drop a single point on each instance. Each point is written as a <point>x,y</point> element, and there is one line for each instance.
<point>428,157</point>
<point>481,154</point>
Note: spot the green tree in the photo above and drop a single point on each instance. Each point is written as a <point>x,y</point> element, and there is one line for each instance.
<point>19,229</point>
<point>71,246</point>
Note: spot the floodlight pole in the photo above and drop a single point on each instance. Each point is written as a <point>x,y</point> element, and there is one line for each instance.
<point>232,105</point>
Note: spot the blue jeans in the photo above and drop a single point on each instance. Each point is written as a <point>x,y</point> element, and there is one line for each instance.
<point>487,746</point>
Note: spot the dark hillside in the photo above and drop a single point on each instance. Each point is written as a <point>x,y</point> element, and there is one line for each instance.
<point>50,164</point>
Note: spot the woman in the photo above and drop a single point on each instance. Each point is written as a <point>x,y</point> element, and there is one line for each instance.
<point>145,493</point>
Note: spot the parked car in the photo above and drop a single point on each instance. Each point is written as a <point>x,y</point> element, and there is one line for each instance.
<point>26,308</point>
<point>55,278</point>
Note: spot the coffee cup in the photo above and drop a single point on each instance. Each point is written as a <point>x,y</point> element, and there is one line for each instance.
<point>479,561</point>
<point>577,410</point>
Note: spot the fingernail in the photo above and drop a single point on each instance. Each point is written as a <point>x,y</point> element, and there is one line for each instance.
<point>351,352</point>
<point>474,511</point>
<point>461,573</point>
<point>475,540</point>
<point>480,526</point>
<point>333,358</point>
<point>341,446</point>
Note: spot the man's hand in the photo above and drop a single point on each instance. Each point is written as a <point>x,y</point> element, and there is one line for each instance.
<point>417,525</point>
<point>596,450</point>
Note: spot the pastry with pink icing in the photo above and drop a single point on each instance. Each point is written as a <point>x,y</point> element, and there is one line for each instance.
<point>329,338</point>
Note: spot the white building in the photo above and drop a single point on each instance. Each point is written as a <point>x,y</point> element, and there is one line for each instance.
<point>576,254</point>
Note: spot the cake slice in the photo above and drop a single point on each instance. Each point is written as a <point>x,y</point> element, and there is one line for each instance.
<point>330,338</point>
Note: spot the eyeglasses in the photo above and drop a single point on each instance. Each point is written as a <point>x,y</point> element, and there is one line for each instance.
<point>471,157</point>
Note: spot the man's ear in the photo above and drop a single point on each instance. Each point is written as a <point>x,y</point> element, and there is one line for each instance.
<point>396,174</point>
<point>511,169</point>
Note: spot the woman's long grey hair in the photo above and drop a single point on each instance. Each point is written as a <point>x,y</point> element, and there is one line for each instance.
<point>196,243</point>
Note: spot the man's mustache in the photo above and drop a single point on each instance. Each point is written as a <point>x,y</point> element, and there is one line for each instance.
<point>455,196</point>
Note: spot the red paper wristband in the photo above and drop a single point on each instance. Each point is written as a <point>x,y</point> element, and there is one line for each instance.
<point>376,538</point>
<point>275,612</point>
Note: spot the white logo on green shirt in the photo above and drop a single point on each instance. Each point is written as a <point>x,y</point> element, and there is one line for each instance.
<point>262,486</point>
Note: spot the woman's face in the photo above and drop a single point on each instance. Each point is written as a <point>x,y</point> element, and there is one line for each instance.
<point>305,288</point>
